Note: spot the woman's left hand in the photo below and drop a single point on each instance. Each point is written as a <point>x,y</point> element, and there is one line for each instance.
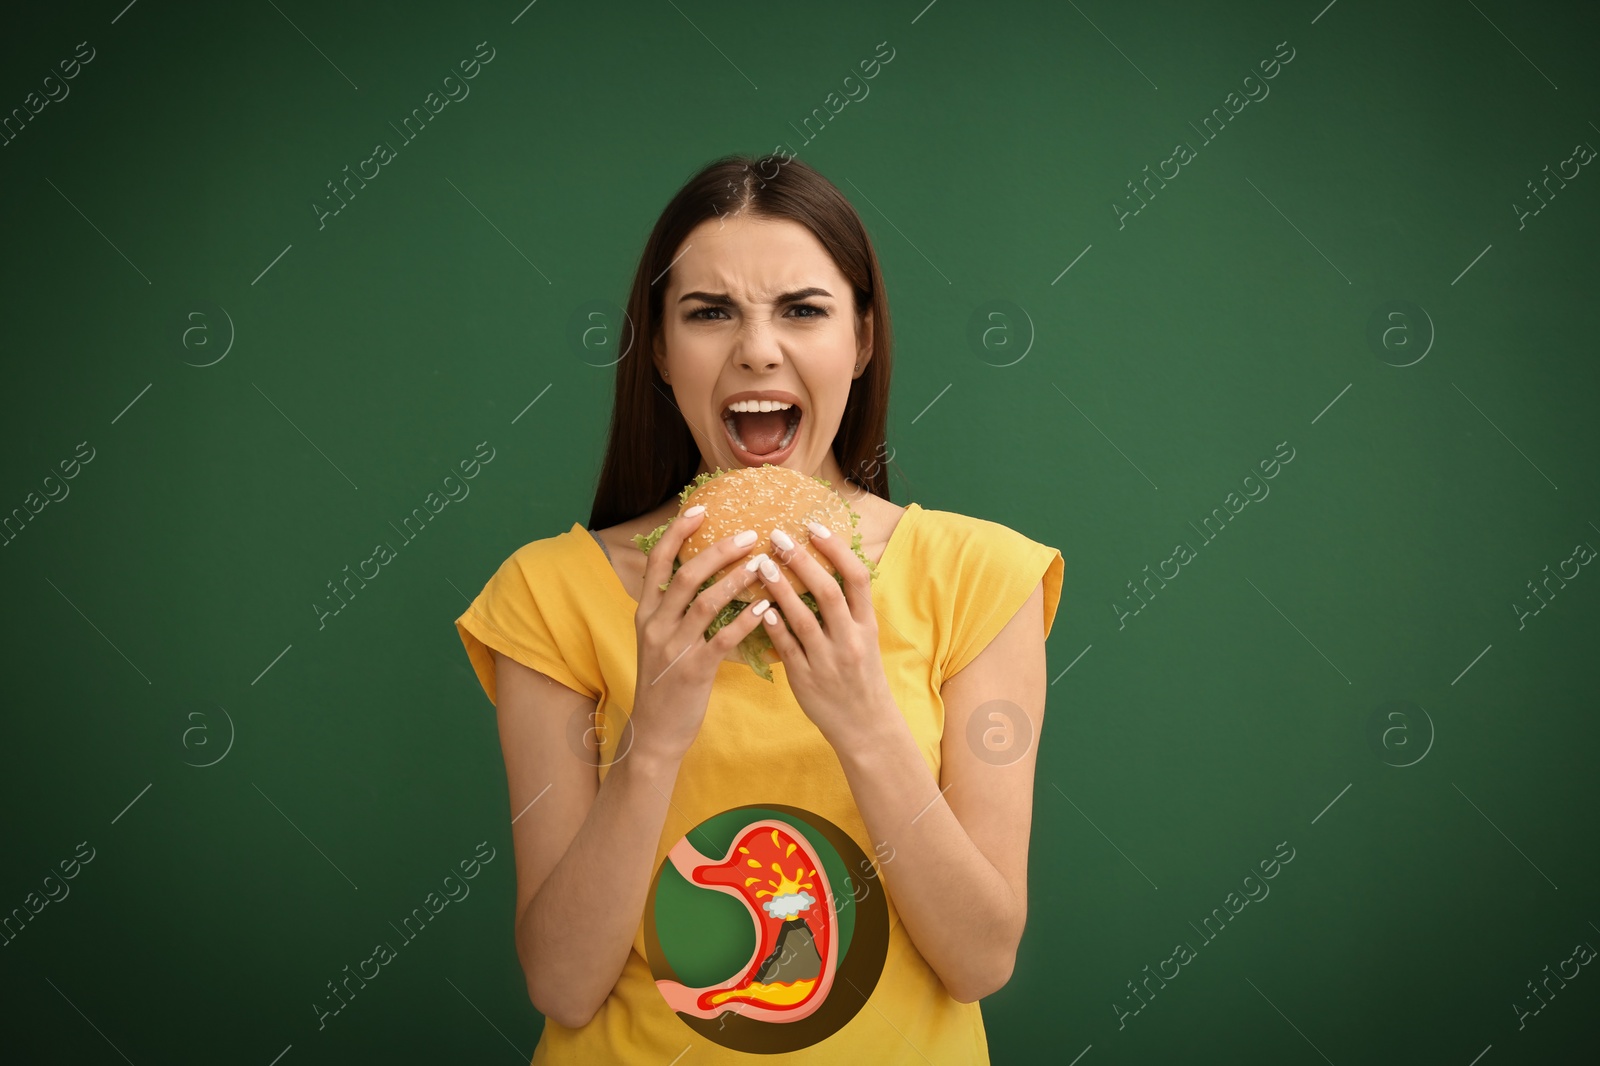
<point>833,667</point>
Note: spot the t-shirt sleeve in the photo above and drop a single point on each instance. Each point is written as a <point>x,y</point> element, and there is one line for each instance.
<point>528,612</point>
<point>996,569</point>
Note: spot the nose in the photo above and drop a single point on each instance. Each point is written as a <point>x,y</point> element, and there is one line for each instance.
<point>757,348</point>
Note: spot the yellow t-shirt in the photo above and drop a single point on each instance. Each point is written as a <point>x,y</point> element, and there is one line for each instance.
<point>947,584</point>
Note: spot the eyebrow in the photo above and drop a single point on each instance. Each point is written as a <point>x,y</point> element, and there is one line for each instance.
<point>721,299</point>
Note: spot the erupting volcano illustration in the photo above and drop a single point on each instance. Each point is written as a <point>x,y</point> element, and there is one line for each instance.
<point>780,880</point>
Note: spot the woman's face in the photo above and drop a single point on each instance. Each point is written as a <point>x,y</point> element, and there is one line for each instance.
<point>758,305</point>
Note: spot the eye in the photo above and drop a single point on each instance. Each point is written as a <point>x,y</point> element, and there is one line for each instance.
<point>705,314</point>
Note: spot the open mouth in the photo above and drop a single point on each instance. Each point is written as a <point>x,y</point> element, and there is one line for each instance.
<point>762,431</point>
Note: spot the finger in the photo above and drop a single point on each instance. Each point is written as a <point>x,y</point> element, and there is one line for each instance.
<point>814,576</point>
<point>710,602</point>
<point>857,578</point>
<point>694,573</point>
<point>729,636</point>
<point>784,643</point>
<point>801,622</point>
<point>658,563</point>
<point>690,634</point>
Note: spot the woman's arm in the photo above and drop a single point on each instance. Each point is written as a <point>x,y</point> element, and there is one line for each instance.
<point>583,848</point>
<point>960,857</point>
<point>585,853</point>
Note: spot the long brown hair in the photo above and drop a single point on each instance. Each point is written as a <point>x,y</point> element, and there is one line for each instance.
<point>650,453</point>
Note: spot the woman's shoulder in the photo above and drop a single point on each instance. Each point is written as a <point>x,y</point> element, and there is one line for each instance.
<point>551,557</point>
<point>544,547</point>
<point>953,530</point>
<point>979,573</point>
<point>537,608</point>
<point>976,556</point>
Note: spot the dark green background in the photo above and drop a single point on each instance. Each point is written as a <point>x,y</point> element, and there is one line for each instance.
<point>1176,353</point>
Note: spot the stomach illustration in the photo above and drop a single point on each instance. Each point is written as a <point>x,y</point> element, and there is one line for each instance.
<point>780,881</point>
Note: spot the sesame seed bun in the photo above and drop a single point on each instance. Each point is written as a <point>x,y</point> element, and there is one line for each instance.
<point>763,498</point>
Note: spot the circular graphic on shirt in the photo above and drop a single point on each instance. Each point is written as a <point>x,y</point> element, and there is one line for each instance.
<point>766,928</point>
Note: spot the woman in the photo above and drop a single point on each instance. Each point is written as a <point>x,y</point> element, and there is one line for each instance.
<point>626,734</point>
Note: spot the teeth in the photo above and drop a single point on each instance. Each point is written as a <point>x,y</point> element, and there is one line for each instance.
<point>751,405</point>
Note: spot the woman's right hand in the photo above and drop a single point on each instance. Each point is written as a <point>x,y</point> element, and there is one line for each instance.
<point>676,663</point>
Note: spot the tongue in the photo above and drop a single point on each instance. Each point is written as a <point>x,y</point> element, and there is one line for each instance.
<point>761,431</point>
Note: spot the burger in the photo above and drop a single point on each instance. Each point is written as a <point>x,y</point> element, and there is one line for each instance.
<point>761,498</point>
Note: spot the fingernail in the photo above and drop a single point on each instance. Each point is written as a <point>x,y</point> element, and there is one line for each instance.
<point>755,562</point>
<point>745,538</point>
<point>695,512</point>
<point>771,618</point>
<point>818,530</point>
<point>762,606</point>
<point>782,540</point>
<point>769,569</point>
